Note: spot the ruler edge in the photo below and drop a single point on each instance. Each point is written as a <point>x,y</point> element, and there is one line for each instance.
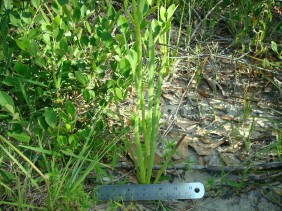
<point>122,199</point>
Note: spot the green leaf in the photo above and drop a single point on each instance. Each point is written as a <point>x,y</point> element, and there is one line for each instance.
<point>122,24</point>
<point>49,27</point>
<point>86,95</point>
<point>68,127</point>
<point>7,102</point>
<point>150,2</point>
<point>166,27</point>
<point>87,26</point>
<point>26,43</point>
<point>41,62</point>
<point>78,32</point>
<point>111,114</point>
<point>46,39</point>
<point>73,140</point>
<point>39,19</point>
<point>23,43</point>
<point>38,150</point>
<point>132,58</point>
<point>22,137</point>
<point>11,81</point>
<point>56,22</point>
<point>107,39</point>
<point>64,46</point>
<point>120,83</point>
<point>79,77</point>
<point>76,14</point>
<point>120,39</point>
<point>26,17</point>
<point>92,94</point>
<point>118,93</point>
<point>111,13</point>
<point>99,126</point>
<point>265,63</point>
<point>33,33</point>
<point>124,67</point>
<point>83,10</point>
<point>35,3</point>
<point>132,119</point>
<point>63,2</point>
<point>18,163</point>
<point>63,116</point>
<point>16,116</point>
<point>70,108</point>
<point>163,14</point>
<point>68,10</point>
<point>20,44</point>
<point>8,4</point>
<point>274,46</point>
<point>9,108</point>
<point>103,103</point>
<point>42,123</point>
<point>33,48</point>
<point>170,11</point>
<point>4,116</point>
<point>143,24</point>
<point>59,35</point>
<point>61,140</point>
<point>143,8</point>
<point>6,175</point>
<point>84,40</point>
<point>50,117</point>
<point>156,27</point>
<point>35,82</point>
<point>4,26</point>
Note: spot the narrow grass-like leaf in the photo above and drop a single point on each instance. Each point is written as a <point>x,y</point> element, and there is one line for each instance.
<point>16,204</point>
<point>25,95</point>
<point>6,187</point>
<point>150,98</point>
<point>22,155</point>
<point>36,149</point>
<point>20,166</point>
<point>138,85</point>
<point>155,120</point>
<point>34,82</point>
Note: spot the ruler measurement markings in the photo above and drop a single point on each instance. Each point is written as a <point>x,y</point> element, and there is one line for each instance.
<point>151,192</point>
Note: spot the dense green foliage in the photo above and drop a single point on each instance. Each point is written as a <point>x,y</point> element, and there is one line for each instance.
<point>65,67</point>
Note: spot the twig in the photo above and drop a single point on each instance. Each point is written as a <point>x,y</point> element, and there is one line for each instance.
<point>264,178</point>
<point>239,60</point>
<point>236,169</point>
<point>198,26</point>
<point>181,100</point>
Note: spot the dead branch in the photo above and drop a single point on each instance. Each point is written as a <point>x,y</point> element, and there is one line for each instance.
<point>236,169</point>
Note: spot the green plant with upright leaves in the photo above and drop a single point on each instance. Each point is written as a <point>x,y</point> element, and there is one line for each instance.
<point>147,116</point>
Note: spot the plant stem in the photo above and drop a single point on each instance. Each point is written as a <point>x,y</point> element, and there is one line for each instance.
<point>171,153</point>
<point>138,85</point>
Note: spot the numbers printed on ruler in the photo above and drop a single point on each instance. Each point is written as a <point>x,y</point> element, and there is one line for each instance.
<point>151,192</point>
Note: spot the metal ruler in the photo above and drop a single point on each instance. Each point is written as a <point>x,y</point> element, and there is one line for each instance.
<point>142,192</point>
